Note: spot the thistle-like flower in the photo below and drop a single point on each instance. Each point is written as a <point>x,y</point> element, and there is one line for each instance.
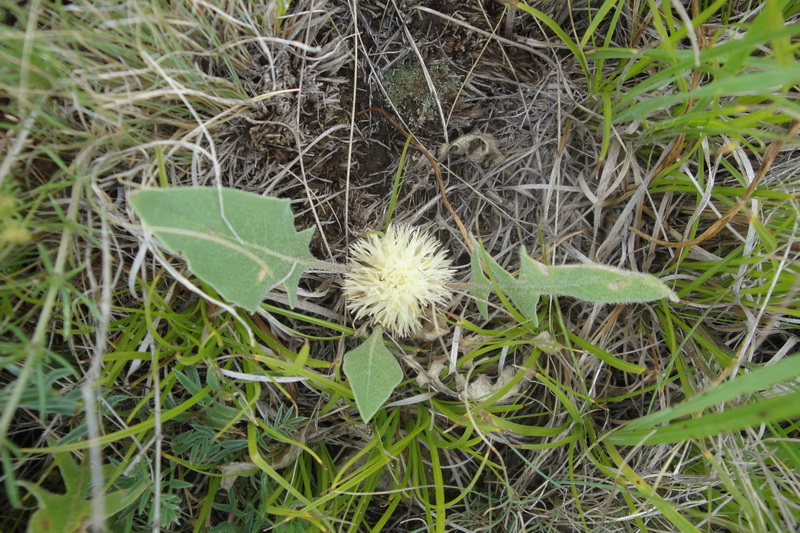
<point>394,277</point>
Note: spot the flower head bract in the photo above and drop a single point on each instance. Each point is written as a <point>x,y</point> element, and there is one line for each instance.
<point>394,277</point>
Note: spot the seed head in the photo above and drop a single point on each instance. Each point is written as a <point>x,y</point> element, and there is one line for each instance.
<point>394,277</point>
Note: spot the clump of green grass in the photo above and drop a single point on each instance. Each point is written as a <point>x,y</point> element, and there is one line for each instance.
<point>117,356</point>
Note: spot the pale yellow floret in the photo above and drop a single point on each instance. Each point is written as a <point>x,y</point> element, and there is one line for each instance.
<point>394,277</point>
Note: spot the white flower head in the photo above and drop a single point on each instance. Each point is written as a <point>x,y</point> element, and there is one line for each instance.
<point>394,277</point>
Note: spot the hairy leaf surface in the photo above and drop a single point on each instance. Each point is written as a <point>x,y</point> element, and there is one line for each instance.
<point>240,243</point>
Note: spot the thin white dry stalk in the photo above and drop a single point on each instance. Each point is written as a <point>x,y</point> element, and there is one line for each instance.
<point>89,389</point>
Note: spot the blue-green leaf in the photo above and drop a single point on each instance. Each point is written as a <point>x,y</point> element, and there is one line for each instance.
<point>373,373</point>
<point>240,243</point>
<point>600,284</point>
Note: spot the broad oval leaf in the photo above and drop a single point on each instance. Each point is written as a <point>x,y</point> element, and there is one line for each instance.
<point>240,243</point>
<point>373,373</point>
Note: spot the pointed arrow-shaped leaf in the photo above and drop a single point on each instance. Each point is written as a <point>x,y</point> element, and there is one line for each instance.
<point>526,301</point>
<point>373,373</point>
<point>240,243</point>
<point>71,512</point>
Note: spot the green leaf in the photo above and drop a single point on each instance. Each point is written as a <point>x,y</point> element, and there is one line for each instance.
<point>606,357</point>
<point>593,283</point>
<point>240,243</point>
<point>526,301</point>
<point>777,409</point>
<point>562,35</point>
<point>759,82</point>
<point>646,430</point>
<point>70,512</point>
<point>373,373</point>
<point>134,429</point>
<point>666,508</point>
<point>481,284</point>
<point>62,513</point>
